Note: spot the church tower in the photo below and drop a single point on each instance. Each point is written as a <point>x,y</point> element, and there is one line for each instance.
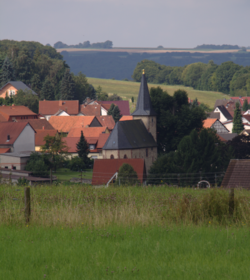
<point>144,109</point>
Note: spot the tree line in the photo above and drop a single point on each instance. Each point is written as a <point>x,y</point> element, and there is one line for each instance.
<point>43,69</point>
<point>229,78</point>
<point>102,45</point>
<point>217,47</point>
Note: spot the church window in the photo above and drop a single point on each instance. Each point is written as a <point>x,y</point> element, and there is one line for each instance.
<point>111,157</point>
<point>125,156</point>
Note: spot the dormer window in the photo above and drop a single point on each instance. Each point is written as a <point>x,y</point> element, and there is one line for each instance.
<point>91,147</point>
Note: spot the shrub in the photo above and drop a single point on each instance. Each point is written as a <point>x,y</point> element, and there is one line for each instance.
<point>76,164</point>
<point>127,175</point>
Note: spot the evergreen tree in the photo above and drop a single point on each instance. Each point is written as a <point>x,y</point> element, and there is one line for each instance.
<point>237,120</point>
<point>67,87</point>
<point>245,105</point>
<point>47,91</point>
<point>114,111</point>
<point>7,73</point>
<point>82,149</point>
<point>127,175</point>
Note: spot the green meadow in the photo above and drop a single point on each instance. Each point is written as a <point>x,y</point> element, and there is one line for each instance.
<point>80,232</point>
<point>127,89</point>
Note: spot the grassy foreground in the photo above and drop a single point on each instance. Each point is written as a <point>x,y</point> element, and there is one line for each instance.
<point>127,89</point>
<point>124,253</point>
<point>78,232</point>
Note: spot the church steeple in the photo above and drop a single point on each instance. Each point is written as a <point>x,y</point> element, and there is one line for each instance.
<point>144,106</point>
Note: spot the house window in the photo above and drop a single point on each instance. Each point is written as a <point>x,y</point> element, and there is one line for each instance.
<point>111,157</point>
<point>125,156</point>
<point>11,93</point>
<point>91,147</point>
<point>146,152</point>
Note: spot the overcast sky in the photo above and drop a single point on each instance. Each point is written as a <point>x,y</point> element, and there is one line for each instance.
<point>128,23</point>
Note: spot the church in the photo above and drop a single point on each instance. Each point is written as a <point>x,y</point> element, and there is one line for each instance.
<point>135,139</point>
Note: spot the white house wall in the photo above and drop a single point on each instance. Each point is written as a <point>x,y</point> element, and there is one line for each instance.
<point>104,112</point>
<point>229,126</point>
<point>222,117</point>
<point>25,141</point>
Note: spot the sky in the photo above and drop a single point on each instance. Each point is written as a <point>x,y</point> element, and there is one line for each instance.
<point>127,23</point>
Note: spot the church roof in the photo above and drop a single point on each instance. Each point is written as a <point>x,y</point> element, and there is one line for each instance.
<point>129,135</point>
<point>144,106</point>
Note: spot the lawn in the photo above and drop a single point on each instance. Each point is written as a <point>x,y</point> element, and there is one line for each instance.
<point>127,89</point>
<point>171,252</point>
<point>79,232</point>
<point>65,174</point>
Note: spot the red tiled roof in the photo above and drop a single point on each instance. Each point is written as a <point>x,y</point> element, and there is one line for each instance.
<point>4,150</point>
<point>72,141</point>
<point>122,104</point>
<point>14,111</point>
<point>104,169</point>
<point>106,121</point>
<point>13,129</point>
<point>38,124</point>
<point>126,118</point>
<point>208,123</point>
<point>40,134</point>
<point>48,107</point>
<point>66,123</point>
<point>241,99</point>
<point>87,131</point>
<point>90,109</point>
<point>103,137</point>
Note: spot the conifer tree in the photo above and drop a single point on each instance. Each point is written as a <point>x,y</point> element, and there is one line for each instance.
<point>237,120</point>
<point>114,111</point>
<point>82,149</point>
<point>47,91</point>
<point>245,105</point>
<point>7,73</point>
<point>67,86</point>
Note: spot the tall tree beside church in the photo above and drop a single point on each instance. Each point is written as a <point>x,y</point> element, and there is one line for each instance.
<point>114,111</point>
<point>47,91</point>
<point>67,87</point>
<point>7,73</point>
<point>237,120</point>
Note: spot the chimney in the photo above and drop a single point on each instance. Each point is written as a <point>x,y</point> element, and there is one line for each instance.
<point>8,137</point>
<point>43,127</point>
<point>60,102</point>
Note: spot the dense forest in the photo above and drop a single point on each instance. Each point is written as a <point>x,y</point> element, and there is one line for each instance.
<point>120,65</point>
<point>229,78</point>
<point>218,47</point>
<point>43,69</point>
<point>103,45</point>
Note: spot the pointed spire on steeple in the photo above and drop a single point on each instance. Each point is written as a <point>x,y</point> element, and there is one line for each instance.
<point>144,106</point>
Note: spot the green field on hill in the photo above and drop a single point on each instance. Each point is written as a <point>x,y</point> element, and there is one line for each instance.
<point>127,89</point>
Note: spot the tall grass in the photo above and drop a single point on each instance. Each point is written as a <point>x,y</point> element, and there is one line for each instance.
<point>75,205</point>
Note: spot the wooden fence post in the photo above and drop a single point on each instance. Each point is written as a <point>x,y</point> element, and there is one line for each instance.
<point>27,204</point>
<point>51,176</point>
<point>231,202</point>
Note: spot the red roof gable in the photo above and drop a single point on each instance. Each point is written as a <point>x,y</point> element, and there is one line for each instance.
<point>88,132</point>
<point>102,140</point>
<point>91,109</point>
<point>122,104</point>
<point>104,169</point>
<point>14,111</point>
<point>38,124</point>
<point>40,134</point>
<point>107,121</point>
<point>48,107</point>
<point>11,129</point>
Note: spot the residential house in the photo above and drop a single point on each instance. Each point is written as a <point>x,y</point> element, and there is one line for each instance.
<point>90,109</point>
<point>225,116</point>
<point>48,108</point>
<point>105,169</point>
<point>38,124</point>
<point>15,113</point>
<point>216,125</point>
<point>40,135</point>
<point>15,161</point>
<point>88,132</point>
<point>11,88</point>
<point>95,145</point>
<point>237,174</point>
<point>122,104</point>
<point>126,118</point>
<point>107,121</point>
<point>17,136</point>
<point>65,123</point>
